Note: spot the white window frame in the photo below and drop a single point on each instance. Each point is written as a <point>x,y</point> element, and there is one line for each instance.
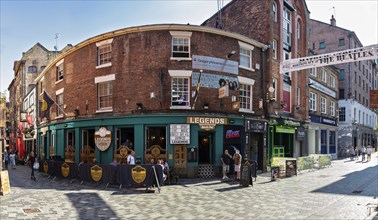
<point>249,49</point>
<point>287,56</point>
<point>332,81</point>
<point>181,35</point>
<point>274,48</point>
<point>31,99</point>
<point>275,87</point>
<point>246,82</point>
<point>312,100</point>
<point>100,45</point>
<point>298,30</point>
<point>286,26</point>
<point>324,75</point>
<point>323,105</point>
<point>104,79</point>
<point>298,96</point>
<point>274,10</point>
<point>181,74</point>
<point>332,105</point>
<point>59,71</point>
<point>26,102</point>
<point>60,105</point>
<point>313,71</point>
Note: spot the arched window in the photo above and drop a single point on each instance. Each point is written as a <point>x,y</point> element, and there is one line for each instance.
<point>274,9</point>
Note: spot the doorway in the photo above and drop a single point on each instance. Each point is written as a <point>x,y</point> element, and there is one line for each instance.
<point>205,148</point>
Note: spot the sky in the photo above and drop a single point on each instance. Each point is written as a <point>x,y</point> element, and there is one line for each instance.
<point>25,23</point>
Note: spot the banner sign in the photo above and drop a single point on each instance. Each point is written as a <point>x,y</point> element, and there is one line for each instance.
<point>214,81</point>
<point>346,56</point>
<point>215,64</point>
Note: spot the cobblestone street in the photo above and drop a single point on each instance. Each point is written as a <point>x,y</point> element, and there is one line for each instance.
<point>343,191</point>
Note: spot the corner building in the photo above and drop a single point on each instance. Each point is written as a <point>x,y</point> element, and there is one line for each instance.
<point>283,25</point>
<point>155,89</point>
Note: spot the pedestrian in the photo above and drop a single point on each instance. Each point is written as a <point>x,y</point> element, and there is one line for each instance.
<point>6,159</point>
<point>368,152</point>
<point>352,154</point>
<point>226,157</point>
<point>31,160</point>
<point>363,153</point>
<point>131,158</point>
<point>237,158</point>
<point>12,159</point>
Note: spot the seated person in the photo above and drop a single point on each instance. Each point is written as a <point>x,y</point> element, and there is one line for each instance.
<point>152,161</point>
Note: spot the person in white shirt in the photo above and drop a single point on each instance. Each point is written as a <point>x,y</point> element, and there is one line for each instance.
<point>363,153</point>
<point>131,158</point>
<point>368,152</point>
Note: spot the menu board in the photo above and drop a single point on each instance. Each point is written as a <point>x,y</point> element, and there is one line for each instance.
<point>245,175</point>
<point>180,133</point>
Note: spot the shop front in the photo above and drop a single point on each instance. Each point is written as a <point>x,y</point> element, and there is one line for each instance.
<point>256,142</point>
<point>186,142</point>
<point>322,133</point>
<point>283,138</point>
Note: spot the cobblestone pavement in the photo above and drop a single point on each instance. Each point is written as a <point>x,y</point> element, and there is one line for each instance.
<point>343,191</point>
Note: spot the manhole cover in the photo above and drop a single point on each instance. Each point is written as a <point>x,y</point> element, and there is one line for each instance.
<point>357,191</point>
<point>31,210</point>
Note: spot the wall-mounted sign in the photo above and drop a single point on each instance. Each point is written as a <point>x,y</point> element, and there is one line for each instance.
<point>256,126</point>
<point>214,81</point>
<point>322,88</point>
<point>322,120</point>
<point>235,105</point>
<point>215,64</point>
<point>301,134</point>
<point>138,173</point>
<point>180,134</point>
<point>206,120</point>
<point>103,139</point>
<point>223,92</point>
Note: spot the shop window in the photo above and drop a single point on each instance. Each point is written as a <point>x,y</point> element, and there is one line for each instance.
<point>69,152</point>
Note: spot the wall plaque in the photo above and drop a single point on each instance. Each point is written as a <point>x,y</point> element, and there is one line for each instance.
<point>103,138</point>
<point>180,134</point>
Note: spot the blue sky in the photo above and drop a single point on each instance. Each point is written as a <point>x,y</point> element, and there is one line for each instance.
<point>24,23</point>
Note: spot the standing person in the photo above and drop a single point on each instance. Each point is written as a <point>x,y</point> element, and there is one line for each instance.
<point>32,160</point>
<point>6,159</point>
<point>352,154</point>
<point>237,158</point>
<point>225,164</point>
<point>131,158</point>
<point>12,158</point>
<point>368,152</point>
<point>363,153</point>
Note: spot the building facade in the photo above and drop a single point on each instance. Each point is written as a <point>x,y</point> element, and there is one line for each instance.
<point>356,79</point>
<point>23,97</point>
<point>323,110</point>
<point>175,92</point>
<point>285,30</point>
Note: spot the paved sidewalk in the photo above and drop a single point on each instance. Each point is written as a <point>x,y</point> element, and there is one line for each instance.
<point>342,191</point>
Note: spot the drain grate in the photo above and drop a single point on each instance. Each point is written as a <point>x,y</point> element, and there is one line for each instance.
<point>31,210</point>
<point>357,191</point>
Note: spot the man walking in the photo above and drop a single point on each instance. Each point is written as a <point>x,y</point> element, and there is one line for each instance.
<point>237,158</point>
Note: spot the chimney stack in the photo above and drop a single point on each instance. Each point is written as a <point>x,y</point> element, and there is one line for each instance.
<point>333,21</point>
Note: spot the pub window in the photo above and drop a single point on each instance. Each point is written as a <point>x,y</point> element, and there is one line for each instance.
<point>245,53</point>
<point>180,44</point>
<point>59,70</point>
<point>125,136</point>
<point>70,137</point>
<point>180,91</point>
<point>104,53</point>
<point>59,102</point>
<point>245,94</point>
<point>156,147</point>
<point>105,95</point>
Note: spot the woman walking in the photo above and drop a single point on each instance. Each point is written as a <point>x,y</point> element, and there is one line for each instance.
<point>32,160</point>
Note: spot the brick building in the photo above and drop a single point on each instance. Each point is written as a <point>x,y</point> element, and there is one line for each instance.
<point>23,97</point>
<point>356,79</point>
<point>281,24</point>
<point>138,89</point>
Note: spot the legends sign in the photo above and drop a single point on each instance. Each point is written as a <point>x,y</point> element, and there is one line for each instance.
<point>103,139</point>
<point>206,123</point>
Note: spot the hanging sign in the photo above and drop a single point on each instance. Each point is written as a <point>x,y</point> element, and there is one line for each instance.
<point>345,56</point>
<point>103,138</point>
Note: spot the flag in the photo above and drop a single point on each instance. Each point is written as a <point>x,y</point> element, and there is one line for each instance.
<point>29,119</point>
<point>197,90</point>
<point>45,105</point>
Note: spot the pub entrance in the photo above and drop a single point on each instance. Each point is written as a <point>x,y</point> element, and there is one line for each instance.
<point>205,148</point>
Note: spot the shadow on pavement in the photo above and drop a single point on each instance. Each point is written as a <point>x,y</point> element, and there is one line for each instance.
<point>89,205</point>
<point>362,183</point>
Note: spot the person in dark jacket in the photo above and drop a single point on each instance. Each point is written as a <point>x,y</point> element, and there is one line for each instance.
<point>32,160</point>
